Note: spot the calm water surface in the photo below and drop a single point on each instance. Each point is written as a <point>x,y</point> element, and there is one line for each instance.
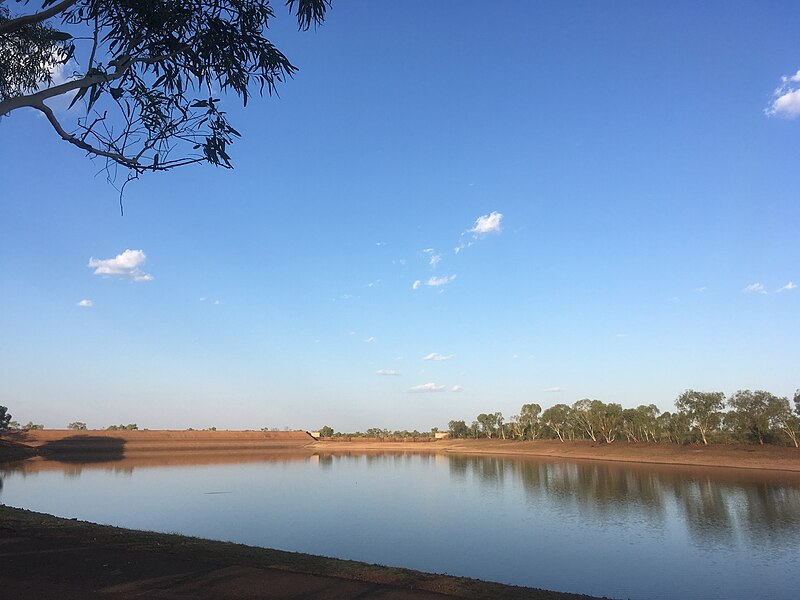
<point>590,527</point>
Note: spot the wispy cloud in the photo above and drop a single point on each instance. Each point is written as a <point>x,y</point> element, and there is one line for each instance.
<point>552,390</point>
<point>370,339</point>
<point>456,388</point>
<point>789,286</point>
<point>85,304</point>
<point>490,223</point>
<point>486,224</point>
<point>123,265</point>
<point>387,372</point>
<point>435,260</point>
<point>786,98</point>
<point>438,357</point>
<point>754,288</point>
<point>701,289</point>
<point>427,387</point>
<point>416,285</point>
<point>437,281</point>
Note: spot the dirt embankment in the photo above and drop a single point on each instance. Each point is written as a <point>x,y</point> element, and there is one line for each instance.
<point>148,445</point>
<point>116,444</point>
<point>48,558</point>
<point>782,458</point>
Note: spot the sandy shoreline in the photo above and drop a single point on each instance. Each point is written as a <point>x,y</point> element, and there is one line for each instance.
<point>738,456</point>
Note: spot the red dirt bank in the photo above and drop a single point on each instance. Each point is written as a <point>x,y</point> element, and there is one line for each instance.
<point>217,443</point>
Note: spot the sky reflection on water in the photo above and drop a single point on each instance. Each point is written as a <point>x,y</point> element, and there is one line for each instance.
<point>620,530</point>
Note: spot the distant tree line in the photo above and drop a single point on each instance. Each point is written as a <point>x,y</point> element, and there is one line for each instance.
<point>7,423</point>
<point>747,416</point>
<point>377,432</point>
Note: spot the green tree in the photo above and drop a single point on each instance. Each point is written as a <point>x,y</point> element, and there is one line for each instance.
<point>488,424</point>
<point>77,425</point>
<point>675,425</point>
<point>128,427</point>
<point>326,431</point>
<point>641,424</point>
<point>584,417</point>
<point>31,426</point>
<point>702,409</point>
<point>529,420</point>
<point>786,421</point>
<point>607,419</point>
<point>147,71</point>
<point>5,418</point>
<point>500,424</point>
<point>458,429</point>
<point>754,414</point>
<point>558,419</point>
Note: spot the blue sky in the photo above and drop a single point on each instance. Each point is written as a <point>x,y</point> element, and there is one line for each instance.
<point>619,179</point>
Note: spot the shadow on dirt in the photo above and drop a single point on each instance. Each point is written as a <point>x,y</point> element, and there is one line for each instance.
<point>83,449</point>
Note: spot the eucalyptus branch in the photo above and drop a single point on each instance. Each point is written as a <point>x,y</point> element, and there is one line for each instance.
<point>67,137</point>
<point>13,25</point>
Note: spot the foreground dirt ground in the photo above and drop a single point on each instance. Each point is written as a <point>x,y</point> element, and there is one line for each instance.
<point>48,558</point>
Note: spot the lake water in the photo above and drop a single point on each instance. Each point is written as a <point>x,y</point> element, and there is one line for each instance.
<point>624,531</point>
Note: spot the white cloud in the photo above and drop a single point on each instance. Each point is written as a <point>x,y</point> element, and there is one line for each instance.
<point>490,223</point>
<point>387,372</point>
<point>372,284</point>
<point>456,388</point>
<point>701,289</point>
<point>786,99</point>
<point>427,387</point>
<point>435,260</point>
<point>60,72</point>
<point>786,105</point>
<point>437,281</point>
<point>790,285</point>
<point>416,285</point>
<point>370,339</point>
<point>85,304</point>
<point>438,357</point>
<point>755,288</point>
<point>552,390</point>
<point>123,265</point>
<point>428,250</point>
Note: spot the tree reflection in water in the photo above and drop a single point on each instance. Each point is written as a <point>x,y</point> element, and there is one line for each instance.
<point>716,505</point>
